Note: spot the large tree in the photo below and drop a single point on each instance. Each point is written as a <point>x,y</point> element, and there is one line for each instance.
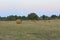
<point>33,16</point>
<point>54,17</point>
<point>43,17</point>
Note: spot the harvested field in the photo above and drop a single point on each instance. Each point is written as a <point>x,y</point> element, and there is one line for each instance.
<point>28,30</point>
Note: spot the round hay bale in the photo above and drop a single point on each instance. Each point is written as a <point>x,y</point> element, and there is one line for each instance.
<point>18,21</point>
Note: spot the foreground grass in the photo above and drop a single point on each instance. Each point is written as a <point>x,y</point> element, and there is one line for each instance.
<point>28,30</point>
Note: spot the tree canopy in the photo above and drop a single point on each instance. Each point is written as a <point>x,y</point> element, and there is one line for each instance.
<point>31,16</point>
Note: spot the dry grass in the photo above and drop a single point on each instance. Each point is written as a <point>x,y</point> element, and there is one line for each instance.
<point>28,30</point>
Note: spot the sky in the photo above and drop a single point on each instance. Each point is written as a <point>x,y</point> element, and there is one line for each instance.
<point>24,7</point>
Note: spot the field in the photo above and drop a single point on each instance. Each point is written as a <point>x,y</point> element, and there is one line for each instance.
<point>29,30</point>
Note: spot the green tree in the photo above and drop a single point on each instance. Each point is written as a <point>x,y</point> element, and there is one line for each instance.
<point>11,18</point>
<point>19,17</point>
<point>0,18</point>
<point>54,17</point>
<point>3,18</point>
<point>33,16</point>
<point>43,17</point>
<point>24,18</point>
<point>59,17</point>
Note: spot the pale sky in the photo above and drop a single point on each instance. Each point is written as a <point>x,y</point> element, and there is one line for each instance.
<point>23,7</point>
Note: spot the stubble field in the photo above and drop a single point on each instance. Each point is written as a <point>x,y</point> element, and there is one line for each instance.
<point>29,30</point>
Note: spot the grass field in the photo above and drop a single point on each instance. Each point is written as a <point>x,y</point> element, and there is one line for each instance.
<point>28,30</point>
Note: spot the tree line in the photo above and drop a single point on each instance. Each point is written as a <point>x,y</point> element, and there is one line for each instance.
<point>31,16</point>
